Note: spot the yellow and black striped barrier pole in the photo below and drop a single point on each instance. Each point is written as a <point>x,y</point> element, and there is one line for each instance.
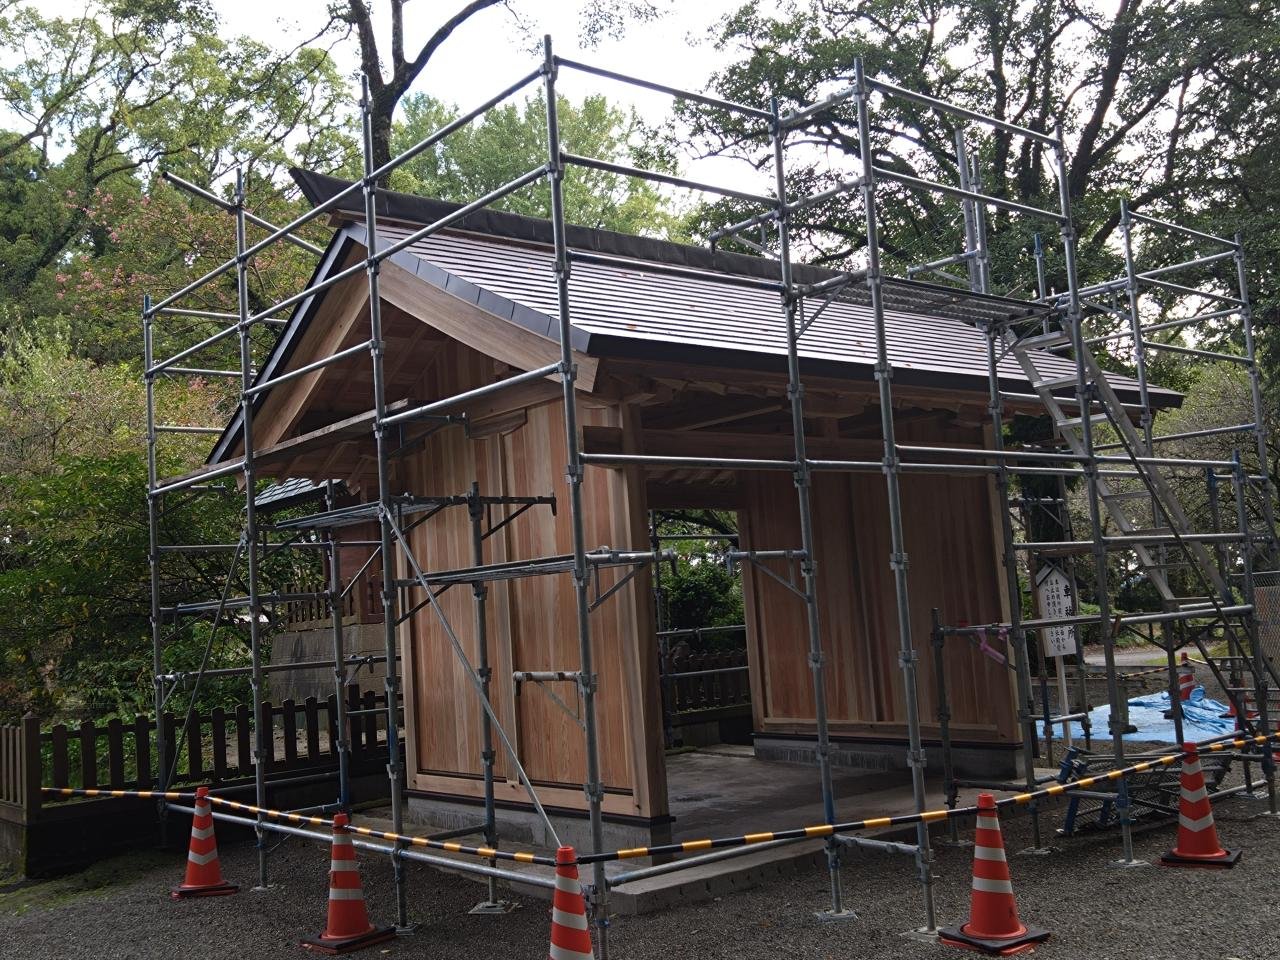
<point>487,853</point>
<point>138,794</point>
<point>910,819</point>
<point>693,846</point>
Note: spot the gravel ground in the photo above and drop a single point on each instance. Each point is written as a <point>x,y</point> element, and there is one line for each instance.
<point>122,910</point>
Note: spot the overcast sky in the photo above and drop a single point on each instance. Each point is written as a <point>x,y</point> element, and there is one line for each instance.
<point>491,50</point>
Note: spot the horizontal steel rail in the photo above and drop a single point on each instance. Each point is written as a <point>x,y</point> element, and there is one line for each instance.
<point>1143,218</point>
<point>207,342</point>
<point>199,314</point>
<point>709,463</point>
<point>223,471</point>
<point>198,372</point>
<point>663,88</point>
<point>920,183</point>
<point>893,90</point>
<point>1191,351</point>
<point>231,208</point>
<point>313,367</point>
<point>327,838</point>
<point>390,251</point>
<point>217,672</point>
<point>591,163</point>
<point>671,270</point>
<point>178,428</point>
<point>1190,435</point>
<point>467,396</point>
<point>735,228</point>
<point>353,188</point>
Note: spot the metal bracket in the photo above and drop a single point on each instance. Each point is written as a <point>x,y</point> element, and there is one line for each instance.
<point>622,581</point>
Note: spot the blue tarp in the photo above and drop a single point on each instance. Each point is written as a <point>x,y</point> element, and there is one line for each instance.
<point>1201,719</point>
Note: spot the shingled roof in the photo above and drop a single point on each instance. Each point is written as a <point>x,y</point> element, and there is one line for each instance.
<point>650,299</point>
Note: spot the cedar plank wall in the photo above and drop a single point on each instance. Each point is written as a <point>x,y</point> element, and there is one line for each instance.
<point>532,621</point>
<point>954,565</point>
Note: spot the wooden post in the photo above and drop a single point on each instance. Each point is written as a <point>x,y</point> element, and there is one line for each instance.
<point>142,727</point>
<point>31,768</point>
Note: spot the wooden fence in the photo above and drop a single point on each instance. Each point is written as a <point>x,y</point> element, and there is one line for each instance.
<point>702,682</point>
<point>214,748</point>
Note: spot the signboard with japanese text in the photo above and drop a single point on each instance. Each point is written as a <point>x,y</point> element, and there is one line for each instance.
<point>1053,596</point>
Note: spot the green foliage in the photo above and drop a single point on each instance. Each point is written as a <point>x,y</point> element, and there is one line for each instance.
<point>701,591</point>
<point>511,140</point>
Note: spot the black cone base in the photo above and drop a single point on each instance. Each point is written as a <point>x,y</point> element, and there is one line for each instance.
<point>1003,947</point>
<point>218,890</point>
<point>1174,859</point>
<point>348,944</point>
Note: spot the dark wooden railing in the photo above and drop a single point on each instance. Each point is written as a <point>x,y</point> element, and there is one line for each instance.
<point>215,748</point>
<point>708,681</point>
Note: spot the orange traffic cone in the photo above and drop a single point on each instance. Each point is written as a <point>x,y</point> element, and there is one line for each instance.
<point>204,873</point>
<point>1197,836</point>
<point>993,925</point>
<point>570,938</point>
<point>348,927</point>
<point>1186,679</point>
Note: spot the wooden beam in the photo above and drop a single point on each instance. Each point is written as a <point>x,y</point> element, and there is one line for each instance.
<point>479,329</point>
<point>335,319</point>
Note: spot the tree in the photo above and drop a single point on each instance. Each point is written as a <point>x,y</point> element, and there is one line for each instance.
<point>511,140</point>
<point>1138,91</point>
<point>107,98</point>
<point>599,18</point>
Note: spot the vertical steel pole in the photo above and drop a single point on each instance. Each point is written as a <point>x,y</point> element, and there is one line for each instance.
<point>262,741</point>
<point>666,684</point>
<point>587,680</point>
<point>1009,560</point>
<point>395,769</point>
<point>804,495</point>
<point>153,558</point>
<point>1085,396</point>
<point>969,213</point>
<point>950,792</point>
<point>898,556</point>
<point>1261,686</point>
<point>343,746</point>
<point>479,594</point>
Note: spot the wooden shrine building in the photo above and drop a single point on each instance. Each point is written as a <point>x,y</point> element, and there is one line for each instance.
<point>670,362</point>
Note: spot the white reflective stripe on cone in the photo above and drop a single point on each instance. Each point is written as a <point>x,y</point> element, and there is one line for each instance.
<point>568,884</point>
<point>989,853</point>
<point>560,953</point>
<point>1191,766</point>
<point>202,858</point>
<point>983,885</point>
<point>1191,796</point>
<point>344,865</point>
<point>202,833</point>
<point>341,840</point>
<point>337,893</point>
<point>1195,826</point>
<point>576,921</point>
<point>988,823</point>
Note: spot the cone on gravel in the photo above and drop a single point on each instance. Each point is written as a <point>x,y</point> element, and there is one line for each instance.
<point>993,927</point>
<point>1198,844</point>
<point>1186,679</point>
<point>204,872</point>
<point>347,927</point>
<point>570,936</point>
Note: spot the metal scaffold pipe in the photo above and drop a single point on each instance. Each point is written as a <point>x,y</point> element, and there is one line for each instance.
<point>587,681</point>
<point>804,494</point>
<point>897,535</point>
<point>386,502</point>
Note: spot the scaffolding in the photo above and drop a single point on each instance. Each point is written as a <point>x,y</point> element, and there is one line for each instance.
<point>1012,328</point>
